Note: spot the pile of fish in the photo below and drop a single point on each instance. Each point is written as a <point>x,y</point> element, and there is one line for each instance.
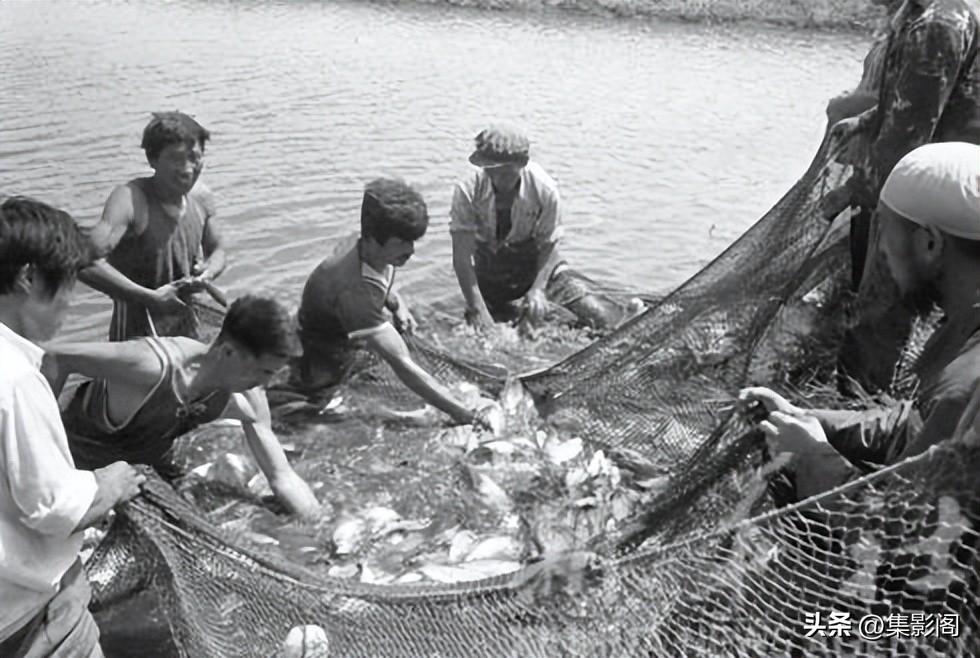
<point>528,493</point>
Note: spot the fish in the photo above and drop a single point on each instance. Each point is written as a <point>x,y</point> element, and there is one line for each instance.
<point>468,572</point>
<point>308,641</point>
<point>501,547</point>
<point>461,545</point>
<point>349,535</point>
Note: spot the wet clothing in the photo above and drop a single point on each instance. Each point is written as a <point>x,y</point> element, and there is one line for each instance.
<point>930,92</point>
<point>147,436</point>
<point>949,375</point>
<point>509,243</point>
<point>930,86</point>
<point>535,214</point>
<point>64,628</point>
<point>42,495</point>
<point>163,253</point>
<point>343,300</point>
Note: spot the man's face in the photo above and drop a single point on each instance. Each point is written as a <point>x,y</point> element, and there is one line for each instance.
<point>43,315</point>
<point>178,166</point>
<point>396,251</point>
<point>912,258</point>
<point>243,370</point>
<point>505,177</point>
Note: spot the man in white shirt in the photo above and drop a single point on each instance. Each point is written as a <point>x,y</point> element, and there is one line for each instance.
<point>45,502</point>
<point>506,226</point>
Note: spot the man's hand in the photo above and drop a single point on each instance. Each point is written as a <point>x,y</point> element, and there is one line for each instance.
<point>835,202</point>
<point>167,298</point>
<point>845,129</point>
<point>798,434</point>
<point>535,305</point>
<point>769,399</point>
<point>404,320</point>
<point>120,482</point>
<point>480,319</point>
<point>293,492</point>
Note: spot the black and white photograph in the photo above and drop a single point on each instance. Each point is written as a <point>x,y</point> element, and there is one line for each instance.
<point>489,328</point>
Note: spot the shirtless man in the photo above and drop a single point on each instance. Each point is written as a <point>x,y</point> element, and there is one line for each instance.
<point>158,239</point>
<point>147,392</point>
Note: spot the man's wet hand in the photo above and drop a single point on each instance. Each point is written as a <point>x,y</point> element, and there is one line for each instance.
<point>479,319</point>
<point>120,481</point>
<point>845,129</point>
<point>750,398</point>
<point>535,305</point>
<point>798,434</point>
<point>404,320</point>
<point>167,298</point>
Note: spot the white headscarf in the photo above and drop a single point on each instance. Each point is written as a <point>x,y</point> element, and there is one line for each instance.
<point>938,185</point>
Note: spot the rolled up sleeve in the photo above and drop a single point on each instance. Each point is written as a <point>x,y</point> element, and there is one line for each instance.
<point>51,495</point>
<point>874,436</point>
<point>462,215</point>
<point>548,230</point>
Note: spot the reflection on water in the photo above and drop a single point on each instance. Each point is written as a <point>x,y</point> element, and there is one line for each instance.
<point>667,139</point>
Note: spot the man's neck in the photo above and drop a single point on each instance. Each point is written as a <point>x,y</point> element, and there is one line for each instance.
<point>202,373</point>
<point>10,315</point>
<point>369,257</point>
<point>165,194</point>
<point>960,293</point>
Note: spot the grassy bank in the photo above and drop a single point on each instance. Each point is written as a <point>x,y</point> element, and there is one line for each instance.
<point>825,14</point>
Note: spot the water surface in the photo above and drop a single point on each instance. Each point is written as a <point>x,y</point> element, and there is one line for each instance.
<point>668,140</point>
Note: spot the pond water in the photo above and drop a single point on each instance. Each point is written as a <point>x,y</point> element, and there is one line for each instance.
<point>667,140</point>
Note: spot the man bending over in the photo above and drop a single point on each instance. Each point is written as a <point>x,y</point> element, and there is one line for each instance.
<point>929,215</point>
<point>347,297</point>
<point>147,392</point>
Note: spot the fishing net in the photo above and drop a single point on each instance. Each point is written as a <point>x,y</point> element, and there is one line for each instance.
<point>711,565</point>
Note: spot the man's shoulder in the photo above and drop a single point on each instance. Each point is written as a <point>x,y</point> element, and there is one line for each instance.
<point>202,195</point>
<point>953,16</point>
<point>540,180</point>
<point>18,372</point>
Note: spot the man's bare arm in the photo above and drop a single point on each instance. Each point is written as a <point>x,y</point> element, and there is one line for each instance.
<point>252,408</point>
<point>130,362</point>
<point>464,246</point>
<point>215,257</point>
<point>117,218</point>
<point>388,344</point>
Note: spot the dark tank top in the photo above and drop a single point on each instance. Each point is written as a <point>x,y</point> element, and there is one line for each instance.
<point>164,252</point>
<point>148,434</point>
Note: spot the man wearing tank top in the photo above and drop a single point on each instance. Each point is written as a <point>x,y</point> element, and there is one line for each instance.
<point>147,392</point>
<point>158,236</point>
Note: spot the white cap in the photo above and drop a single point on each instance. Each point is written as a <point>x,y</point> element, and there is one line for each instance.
<point>938,185</point>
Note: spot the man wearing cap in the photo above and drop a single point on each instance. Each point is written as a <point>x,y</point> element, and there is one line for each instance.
<point>929,92</point>
<point>506,226</point>
<point>929,213</point>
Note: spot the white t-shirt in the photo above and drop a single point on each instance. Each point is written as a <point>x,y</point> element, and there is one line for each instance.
<point>42,495</point>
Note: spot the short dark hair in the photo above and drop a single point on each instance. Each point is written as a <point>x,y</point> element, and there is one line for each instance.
<point>392,208</point>
<point>33,233</point>
<point>166,128</point>
<point>259,324</point>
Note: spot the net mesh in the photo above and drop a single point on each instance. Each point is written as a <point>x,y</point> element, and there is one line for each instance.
<point>710,566</point>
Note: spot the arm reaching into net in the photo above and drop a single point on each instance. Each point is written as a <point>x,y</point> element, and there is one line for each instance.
<point>477,313</point>
<point>252,408</point>
<point>389,345</point>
